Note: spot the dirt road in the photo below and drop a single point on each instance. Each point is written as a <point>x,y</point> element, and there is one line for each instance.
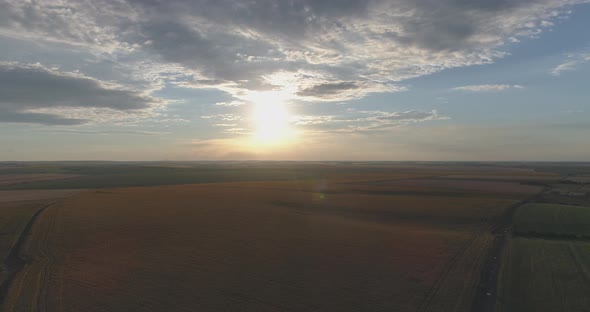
<point>486,296</point>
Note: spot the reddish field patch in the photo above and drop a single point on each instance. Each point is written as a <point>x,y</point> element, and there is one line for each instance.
<point>10,196</point>
<point>253,247</point>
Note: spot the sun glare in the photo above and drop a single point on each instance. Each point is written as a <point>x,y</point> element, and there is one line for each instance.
<point>271,119</point>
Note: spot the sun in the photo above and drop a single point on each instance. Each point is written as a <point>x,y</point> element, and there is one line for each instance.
<point>271,119</point>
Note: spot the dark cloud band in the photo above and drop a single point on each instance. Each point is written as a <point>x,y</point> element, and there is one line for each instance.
<point>25,88</point>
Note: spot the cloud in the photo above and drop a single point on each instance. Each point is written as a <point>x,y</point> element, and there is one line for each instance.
<point>364,121</point>
<point>413,116</point>
<point>573,111</point>
<point>328,89</point>
<point>488,87</point>
<point>350,121</point>
<point>313,50</point>
<point>102,132</point>
<point>224,117</point>
<point>8,115</point>
<point>230,103</point>
<point>32,93</point>
<point>567,66</point>
<point>576,60</point>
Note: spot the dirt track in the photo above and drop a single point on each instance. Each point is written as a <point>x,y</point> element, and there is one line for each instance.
<point>486,296</point>
<point>14,263</point>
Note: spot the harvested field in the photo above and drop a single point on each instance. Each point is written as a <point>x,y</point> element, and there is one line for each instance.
<point>403,185</point>
<point>13,218</point>
<point>17,211</point>
<point>27,195</point>
<point>456,287</point>
<point>263,237</point>
<point>321,197</point>
<point>551,220</point>
<point>254,247</point>
<point>545,275</point>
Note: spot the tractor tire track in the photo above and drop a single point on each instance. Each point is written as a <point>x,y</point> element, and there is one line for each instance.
<point>14,262</point>
<point>433,291</point>
<point>48,259</point>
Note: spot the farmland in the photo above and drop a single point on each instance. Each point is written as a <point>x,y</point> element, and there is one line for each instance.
<point>109,175</point>
<point>545,275</point>
<point>261,236</point>
<point>546,261</point>
<point>15,216</point>
<point>267,251</point>
<point>18,211</point>
<point>551,220</point>
<point>8,179</point>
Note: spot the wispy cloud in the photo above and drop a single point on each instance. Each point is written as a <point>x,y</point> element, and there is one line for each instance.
<point>102,132</point>
<point>231,103</point>
<point>574,61</point>
<point>573,111</point>
<point>364,121</point>
<point>224,117</point>
<point>487,87</point>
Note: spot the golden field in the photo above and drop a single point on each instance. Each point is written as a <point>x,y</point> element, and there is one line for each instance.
<point>258,246</point>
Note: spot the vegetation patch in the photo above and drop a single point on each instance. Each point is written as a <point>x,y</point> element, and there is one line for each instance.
<point>552,221</point>
<point>544,275</point>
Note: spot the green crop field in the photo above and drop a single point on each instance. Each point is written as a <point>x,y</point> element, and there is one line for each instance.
<point>545,275</point>
<point>552,220</point>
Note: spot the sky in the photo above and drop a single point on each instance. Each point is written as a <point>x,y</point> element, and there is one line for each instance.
<point>418,80</point>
